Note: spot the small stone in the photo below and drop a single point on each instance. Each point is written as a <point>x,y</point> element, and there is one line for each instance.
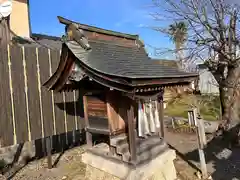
<point>210,178</point>
<point>199,175</point>
<point>64,177</point>
<point>2,177</point>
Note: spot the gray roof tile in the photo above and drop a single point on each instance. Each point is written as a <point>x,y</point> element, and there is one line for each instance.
<point>50,42</point>
<point>131,62</point>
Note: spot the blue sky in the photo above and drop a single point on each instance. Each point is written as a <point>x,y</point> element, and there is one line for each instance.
<point>129,16</point>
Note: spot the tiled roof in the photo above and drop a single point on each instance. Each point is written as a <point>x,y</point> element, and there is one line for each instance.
<point>165,62</point>
<point>50,42</point>
<point>129,62</point>
<point>97,29</point>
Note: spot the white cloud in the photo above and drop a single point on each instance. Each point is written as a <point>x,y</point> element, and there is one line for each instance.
<point>141,25</point>
<point>131,14</point>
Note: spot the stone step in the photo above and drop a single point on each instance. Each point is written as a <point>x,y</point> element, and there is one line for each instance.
<point>140,143</point>
<point>146,154</point>
<point>118,140</point>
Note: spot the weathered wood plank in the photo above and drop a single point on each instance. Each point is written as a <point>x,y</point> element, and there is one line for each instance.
<point>79,110</point>
<point>49,152</point>
<point>112,112</point>
<point>69,96</point>
<point>122,113</point>
<point>86,120</point>
<point>97,106</point>
<point>161,116</point>
<point>46,95</point>
<point>19,96</point>
<point>55,58</point>
<point>6,122</point>
<point>131,133</point>
<point>58,97</point>
<point>59,113</point>
<point>33,93</point>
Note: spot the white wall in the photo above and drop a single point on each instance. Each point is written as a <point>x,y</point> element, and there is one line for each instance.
<point>207,82</point>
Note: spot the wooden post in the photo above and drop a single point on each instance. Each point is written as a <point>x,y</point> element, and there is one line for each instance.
<point>173,122</point>
<point>132,134</point>
<point>88,134</point>
<point>109,97</point>
<point>190,118</point>
<point>161,115</point>
<point>201,144</point>
<point>49,153</point>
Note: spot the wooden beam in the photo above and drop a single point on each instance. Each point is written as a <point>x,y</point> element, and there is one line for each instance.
<point>132,134</point>
<point>86,120</point>
<point>161,115</point>
<point>110,111</point>
<point>201,143</point>
<point>49,152</point>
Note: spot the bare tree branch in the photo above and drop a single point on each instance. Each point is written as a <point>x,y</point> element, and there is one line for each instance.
<point>213,37</point>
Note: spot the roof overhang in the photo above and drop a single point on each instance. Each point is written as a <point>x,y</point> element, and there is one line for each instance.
<point>68,61</point>
<point>68,22</point>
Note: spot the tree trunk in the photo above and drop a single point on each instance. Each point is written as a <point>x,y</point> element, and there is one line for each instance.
<point>180,56</point>
<point>229,97</point>
<point>230,115</point>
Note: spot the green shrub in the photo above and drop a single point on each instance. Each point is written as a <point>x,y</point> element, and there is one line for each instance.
<point>209,106</point>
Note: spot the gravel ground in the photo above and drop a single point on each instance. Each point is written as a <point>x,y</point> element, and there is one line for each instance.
<point>70,167</point>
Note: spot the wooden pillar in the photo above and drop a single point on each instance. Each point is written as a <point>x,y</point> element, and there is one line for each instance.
<point>132,134</point>
<point>161,114</point>
<point>49,151</point>
<point>110,109</point>
<point>88,134</point>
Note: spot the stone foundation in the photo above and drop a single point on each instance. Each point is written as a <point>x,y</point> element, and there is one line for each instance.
<point>160,168</point>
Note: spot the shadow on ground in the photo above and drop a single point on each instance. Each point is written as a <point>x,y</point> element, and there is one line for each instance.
<point>60,144</point>
<point>222,157</point>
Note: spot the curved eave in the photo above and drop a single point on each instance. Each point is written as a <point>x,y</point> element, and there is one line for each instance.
<point>75,48</point>
<point>60,76</point>
<point>58,80</point>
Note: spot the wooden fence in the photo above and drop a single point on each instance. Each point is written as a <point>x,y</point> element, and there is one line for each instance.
<point>28,111</point>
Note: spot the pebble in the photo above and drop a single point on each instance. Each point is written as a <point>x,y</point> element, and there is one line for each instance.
<point>2,177</point>
<point>224,154</point>
<point>64,177</point>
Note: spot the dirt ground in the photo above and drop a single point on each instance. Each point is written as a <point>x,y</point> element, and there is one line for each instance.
<point>70,166</point>
<point>222,163</point>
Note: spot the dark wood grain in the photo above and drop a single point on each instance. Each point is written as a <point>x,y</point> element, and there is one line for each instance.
<point>96,106</point>
<point>131,133</point>
<point>87,124</point>
<point>19,97</point>
<point>79,109</point>
<point>58,97</point>
<point>161,115</point>
<point>33,93</point>
<point>6,122</point>
<point>59,113</point>
<point>70,110</point>
<point>55,59</point>
<point>46,95</point>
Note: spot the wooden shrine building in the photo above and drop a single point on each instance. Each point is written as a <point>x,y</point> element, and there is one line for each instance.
<point>121,87</point>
